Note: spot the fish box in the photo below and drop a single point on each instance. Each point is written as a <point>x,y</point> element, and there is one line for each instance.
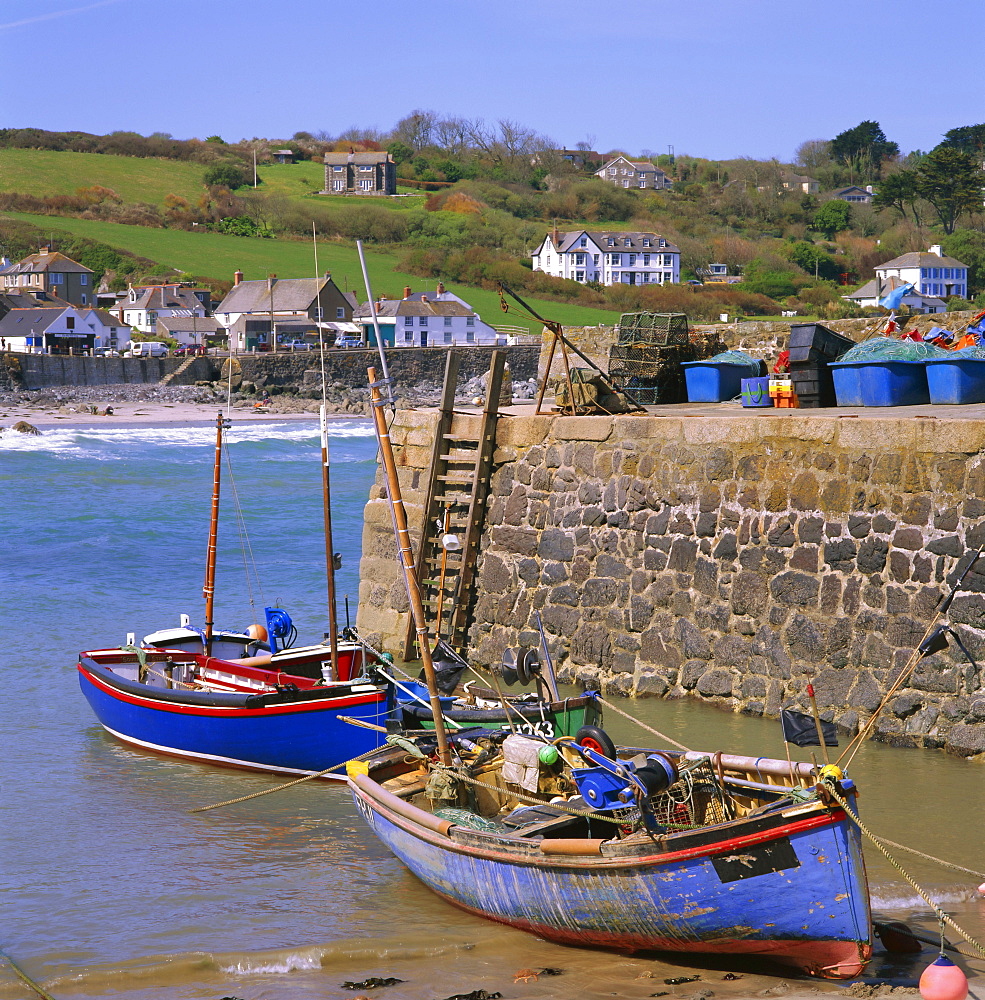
<point>956,380</point>
<point>813,379</point>
<point>756,392</point>
<point>814,342</point>
<point>713,381</point>
<point>847,378</point>
<point>893,383</point>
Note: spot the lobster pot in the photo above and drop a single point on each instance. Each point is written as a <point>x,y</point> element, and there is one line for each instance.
<point>654,329</point>
<point>650,374</point>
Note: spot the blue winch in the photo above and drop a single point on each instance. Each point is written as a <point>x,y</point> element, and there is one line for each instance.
<point>279,626</point>
<point>613,785</point>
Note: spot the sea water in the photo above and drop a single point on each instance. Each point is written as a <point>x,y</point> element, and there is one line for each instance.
<point>111,887</point>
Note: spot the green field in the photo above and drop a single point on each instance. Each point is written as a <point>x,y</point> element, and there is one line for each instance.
<point>213,255</point>
<point>42,172</point>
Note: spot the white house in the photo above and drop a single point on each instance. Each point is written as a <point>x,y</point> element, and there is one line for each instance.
<point>45,330</point>
<point>934,277</point>
<point>420,319</point>
<point>859,195</point>
<point>636,174</point>
<point>609,258</point>
<point>141,307</point>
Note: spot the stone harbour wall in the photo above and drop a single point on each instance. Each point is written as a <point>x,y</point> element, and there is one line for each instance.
<point>727,559</point>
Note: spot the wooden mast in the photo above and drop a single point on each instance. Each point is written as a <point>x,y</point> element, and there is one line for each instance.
<point>208,590</point>
<point>333,625</point>
<point>406,555</point>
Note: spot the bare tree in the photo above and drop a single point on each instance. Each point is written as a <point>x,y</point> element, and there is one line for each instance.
<point>416,129</point>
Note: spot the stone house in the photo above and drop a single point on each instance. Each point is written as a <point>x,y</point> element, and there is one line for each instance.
<point>610,258</point>
<point>141,307</point>
<point>636,174</point>
<point>360,173</point>
<point>50,273</point>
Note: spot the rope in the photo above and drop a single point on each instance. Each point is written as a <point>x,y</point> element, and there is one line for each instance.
<point>22,975</point>
<point>245,546</point>
<point>941,915</point>
<point>642,725</point>
<point>930,857</point>
<point>280,788</point>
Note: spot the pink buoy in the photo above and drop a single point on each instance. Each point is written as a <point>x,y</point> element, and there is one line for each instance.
<point>943,980</point>
<point>981,888</point>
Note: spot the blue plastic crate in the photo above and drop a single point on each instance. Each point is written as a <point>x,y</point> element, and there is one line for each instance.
<point>756,392</point>
<point>847,377</point>
<point>713,381</point>
<point>956,380</point>
<point>894,383</point>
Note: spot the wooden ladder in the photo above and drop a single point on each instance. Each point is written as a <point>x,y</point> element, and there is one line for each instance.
<point>458,488</point>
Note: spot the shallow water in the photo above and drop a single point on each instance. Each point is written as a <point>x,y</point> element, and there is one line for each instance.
<point>111,888</point>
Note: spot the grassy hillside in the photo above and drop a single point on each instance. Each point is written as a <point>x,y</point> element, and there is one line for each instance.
<point>43,172</point>
<point>218,256</point>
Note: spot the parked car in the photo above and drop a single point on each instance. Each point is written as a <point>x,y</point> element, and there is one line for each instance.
<point>148,349</point>
<point>294,345</point>
<point>189,350</point>
<point>105,352</point>
<point>348,340</point>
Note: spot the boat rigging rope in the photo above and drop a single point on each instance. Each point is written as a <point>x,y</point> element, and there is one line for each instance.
<point>642,725</point>
<point>244,539</point>
<point>944,918</point>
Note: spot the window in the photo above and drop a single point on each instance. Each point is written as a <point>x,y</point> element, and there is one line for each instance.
<point>408,320</point>
<point>616,277</point>
<point>58,279</point>
<point>338,185</point>
<point>627,243</point>
<point>470,337</point>
<point>83,279</point>
<point>612,171</point>
<point>625,184</point>
<point>646,241</point>
<point>583,242</point>
<point>615,258</point>
<point>408,336</point>
<point>610,242</point>
<point>85,299</point>
<point>580,259</point>
<point>579,275</point>
<point>646,260</point>
<point>668,260</point>
<point>337,169</point>
<point>595,259</point>
<point>339,312</point>
<point>364,168</point>
<point>632,260</point>
<point>366,185</point>
<point>448,321</point>
<point>319,312</point>
<point>448,337</point>
<point>70,322</point>
<point>424,321</point>
<point>470,321</point>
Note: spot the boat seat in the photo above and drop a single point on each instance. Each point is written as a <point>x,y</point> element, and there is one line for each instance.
<point>546,820</point>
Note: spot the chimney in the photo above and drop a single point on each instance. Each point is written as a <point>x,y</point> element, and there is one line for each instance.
<point>441,288</point>
<point>44,251</point>
<point>237,278</point>
<point>424,298</point>
<point>328,275</point>
<point>406,291</point>
<point>868,187</point>
<point>936,248</point>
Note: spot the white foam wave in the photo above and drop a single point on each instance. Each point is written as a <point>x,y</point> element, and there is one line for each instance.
<point>294,962</point>
<point>114,443</point>
<point>899,898</point>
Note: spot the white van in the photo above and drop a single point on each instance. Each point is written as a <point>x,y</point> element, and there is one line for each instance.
<point>148,349</point>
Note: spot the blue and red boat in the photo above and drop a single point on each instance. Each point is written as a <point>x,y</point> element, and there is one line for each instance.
<point>648,851</point>
<point>268,717</point>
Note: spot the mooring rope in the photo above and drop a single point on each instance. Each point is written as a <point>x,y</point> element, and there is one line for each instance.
<point>877,841</point>
<point>642,725</point>
<point>23,976</point>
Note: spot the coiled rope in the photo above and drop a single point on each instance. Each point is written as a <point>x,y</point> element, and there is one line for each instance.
<point>943,917</point>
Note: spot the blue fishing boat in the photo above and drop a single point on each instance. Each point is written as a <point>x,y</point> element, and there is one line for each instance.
<point>646,851</point>
<point>216,711</point>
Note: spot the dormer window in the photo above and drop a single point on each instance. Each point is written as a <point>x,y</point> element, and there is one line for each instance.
<point>627,242</point>
<point>646,242</point>
<point>133,295</point>
<point>611,242</point>
<point>583,242</point>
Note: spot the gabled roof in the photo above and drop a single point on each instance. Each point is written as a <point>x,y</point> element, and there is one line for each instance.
<point>100,316</point>
<point>20,322</point>
<point>601,240</point>
<point>416,305</point>
<point>196,324</point>
<point>287,295</point>
<point>920,259</point>
<point>162,297</point>
<point>871,289</point>
<point>36,263</point>
<point>357,158</point>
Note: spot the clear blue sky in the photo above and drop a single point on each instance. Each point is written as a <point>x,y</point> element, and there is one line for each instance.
<point>715,78</point>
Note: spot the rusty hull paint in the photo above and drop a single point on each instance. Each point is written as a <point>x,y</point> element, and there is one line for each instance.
<point>814,917</point>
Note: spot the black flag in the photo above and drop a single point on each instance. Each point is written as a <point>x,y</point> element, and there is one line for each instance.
<point>800,730</point>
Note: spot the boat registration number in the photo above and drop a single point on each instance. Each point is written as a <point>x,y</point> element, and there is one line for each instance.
<point>530,728</point>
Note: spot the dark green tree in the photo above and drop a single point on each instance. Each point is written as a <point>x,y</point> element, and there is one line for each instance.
<point>400,151</point>
<point>968,246</point>
<point>864,146</point>
<point>814,260</point>
<point>967,139</point>
<point>226,175</point>
<point>952,182</point>
<point>900,191</point>
<point>833,217</point>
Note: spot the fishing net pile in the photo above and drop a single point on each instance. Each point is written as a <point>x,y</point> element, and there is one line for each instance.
<point>891,349</point>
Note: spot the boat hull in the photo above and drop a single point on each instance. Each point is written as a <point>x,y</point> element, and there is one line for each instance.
<point>300,737</point>
<point>562,718</point>
<point>715,900</point>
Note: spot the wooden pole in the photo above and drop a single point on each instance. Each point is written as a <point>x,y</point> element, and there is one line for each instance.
<point>208,590</point>
<point>817,723</point>
<point>406,556</point>
<point>333,624</point>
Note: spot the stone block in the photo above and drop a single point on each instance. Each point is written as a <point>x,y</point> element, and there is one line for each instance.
<point>872,554</point>
<point>781,533</point>
<point>809,530</point>
<point>706,577</point>
<point>805,639</point>
<point>682,555</point>
<point>600,592</point>
<point>795,589</point>
<point>732,651</point>
<point>726,549</point>
<point>715,683</point>
<point>840,555</point>
<point>830,593</point>
<point>750,593</point>
<point>692,640</point>
<point>908,538</point>
<point>883,525</point>
<point>899,566</point>
<point>652,685</point>
<point>556,545</point>
<point>966,740</point>
<point>690,673</point>
<point>859,525</point>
